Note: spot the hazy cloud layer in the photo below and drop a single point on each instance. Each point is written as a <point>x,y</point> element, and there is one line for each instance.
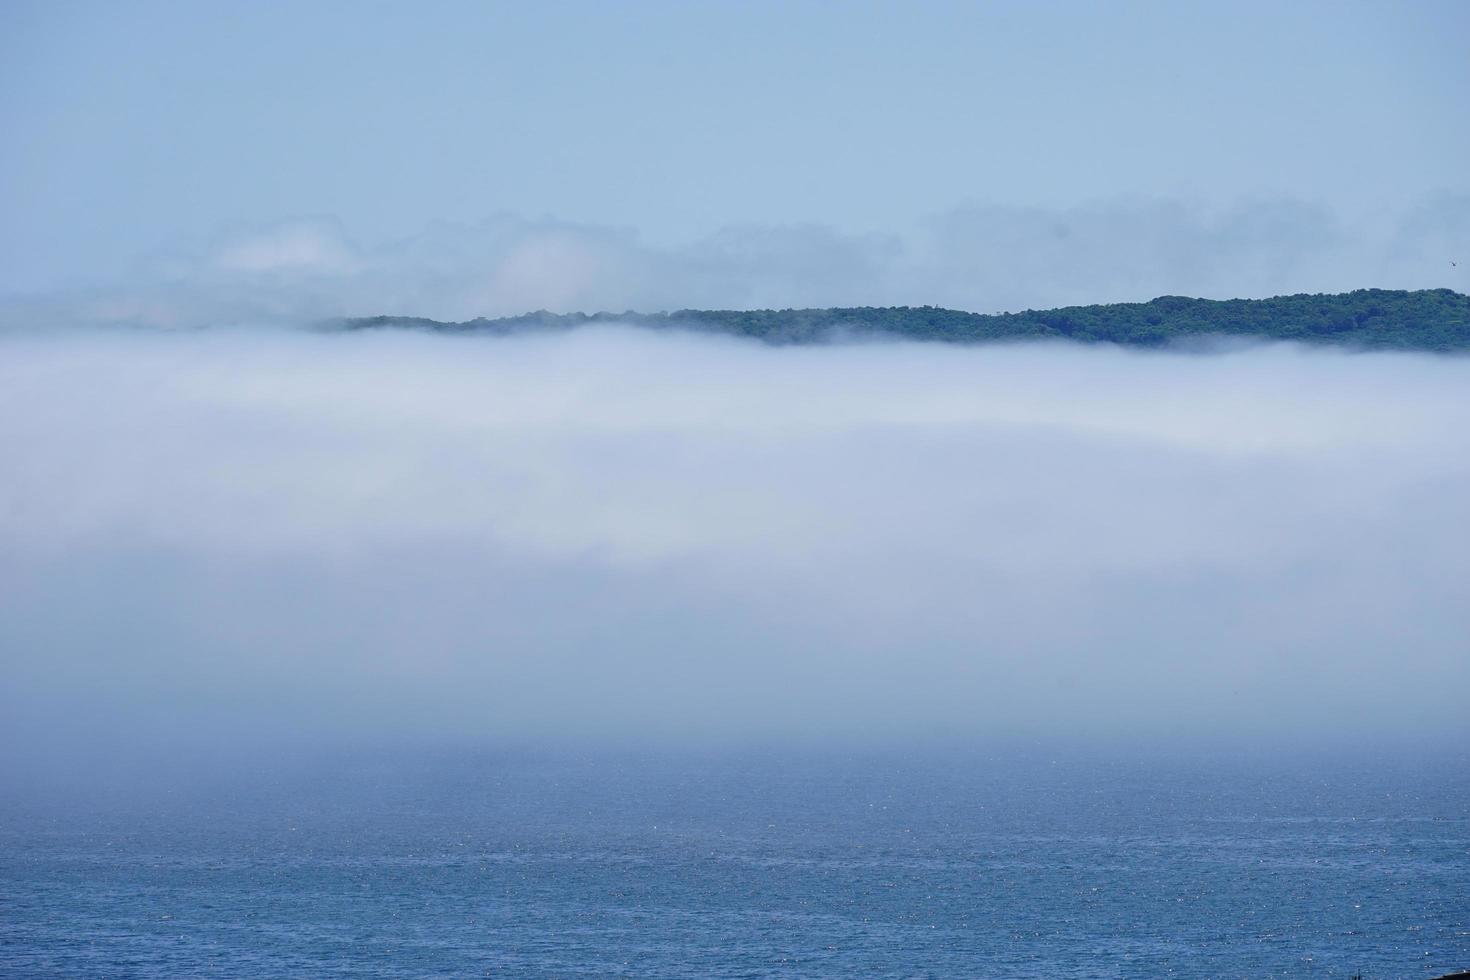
<point>982,258</point>
<point>617,533</point>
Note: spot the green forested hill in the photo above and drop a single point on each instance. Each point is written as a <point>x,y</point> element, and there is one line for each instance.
<point>1430,319</point>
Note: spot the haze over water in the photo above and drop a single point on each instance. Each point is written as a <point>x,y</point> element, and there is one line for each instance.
<point>630,653</point>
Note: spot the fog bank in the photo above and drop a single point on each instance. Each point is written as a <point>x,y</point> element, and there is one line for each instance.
<point>615,534</point>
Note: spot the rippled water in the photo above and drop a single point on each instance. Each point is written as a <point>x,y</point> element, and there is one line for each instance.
<point>946,865</point>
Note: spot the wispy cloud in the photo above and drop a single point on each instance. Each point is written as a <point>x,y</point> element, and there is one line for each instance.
<point>978,257</point>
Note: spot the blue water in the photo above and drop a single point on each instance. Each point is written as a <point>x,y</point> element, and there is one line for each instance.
<point>946,864</point>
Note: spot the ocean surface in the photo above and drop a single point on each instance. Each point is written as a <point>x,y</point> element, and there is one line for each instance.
<point>475,863</point>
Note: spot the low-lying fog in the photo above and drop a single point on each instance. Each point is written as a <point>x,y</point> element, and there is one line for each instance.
<point>620,535</point>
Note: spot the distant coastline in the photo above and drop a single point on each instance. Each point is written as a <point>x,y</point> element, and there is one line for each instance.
<point>1379,319</point>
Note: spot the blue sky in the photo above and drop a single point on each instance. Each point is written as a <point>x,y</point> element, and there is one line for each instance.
<point>144,138</point>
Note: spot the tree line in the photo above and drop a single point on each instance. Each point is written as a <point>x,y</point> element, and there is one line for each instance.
<point>1426,319</point>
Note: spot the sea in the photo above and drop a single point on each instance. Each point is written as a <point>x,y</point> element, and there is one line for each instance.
<point>507,861</point>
